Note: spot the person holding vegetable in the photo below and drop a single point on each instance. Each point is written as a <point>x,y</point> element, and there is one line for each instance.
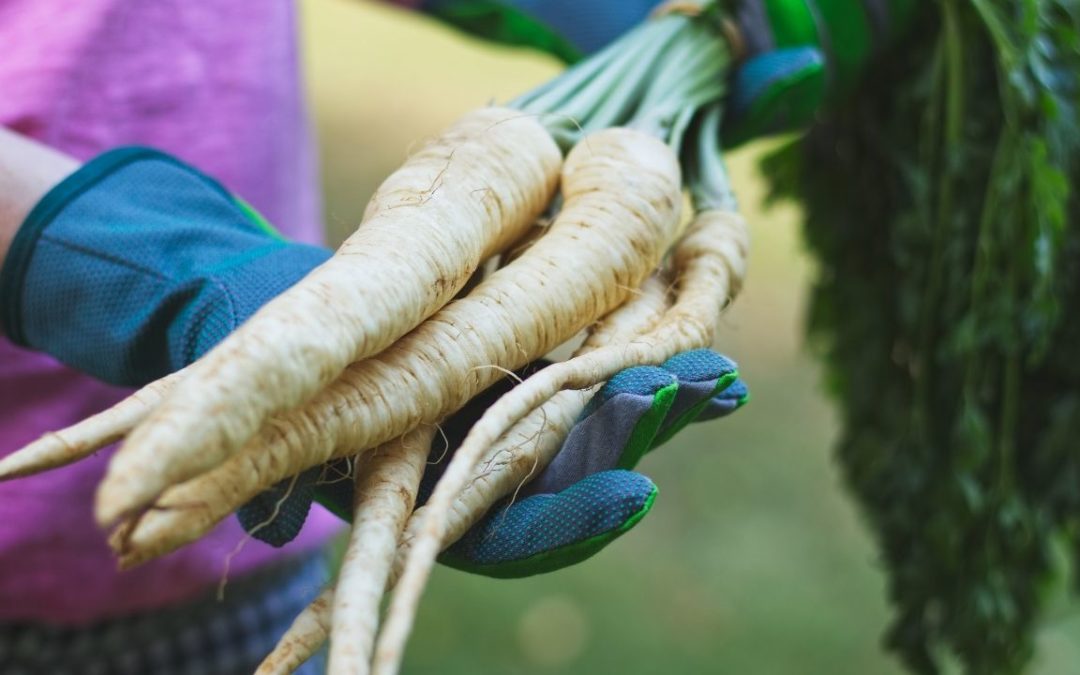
<point>130,266</point>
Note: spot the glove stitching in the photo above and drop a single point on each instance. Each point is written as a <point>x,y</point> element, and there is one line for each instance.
<point>93,253</point>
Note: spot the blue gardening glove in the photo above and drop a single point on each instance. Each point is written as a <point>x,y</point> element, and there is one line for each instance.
<point>799,54</point>
<point>588,496</point>
<point>137,264</point>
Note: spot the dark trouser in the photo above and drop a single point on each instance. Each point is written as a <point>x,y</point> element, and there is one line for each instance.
<point>202,637</point>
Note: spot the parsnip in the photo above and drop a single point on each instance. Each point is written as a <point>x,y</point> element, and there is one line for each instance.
<point>622,202</point>
<point>711,260</point>
<point>386,484</point>
<point>510,462</point>
<point>60,448</point>
<point>468,193</point>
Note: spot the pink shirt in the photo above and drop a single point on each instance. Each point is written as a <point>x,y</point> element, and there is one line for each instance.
<point>215,82</point>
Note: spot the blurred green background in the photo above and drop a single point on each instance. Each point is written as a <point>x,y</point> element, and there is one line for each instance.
<point>753,560</point>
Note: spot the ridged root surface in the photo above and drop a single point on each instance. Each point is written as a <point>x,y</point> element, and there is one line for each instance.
<point>621,211</point>
<point>711,262</point>
<point>521,453</point>
<point>467,193</point>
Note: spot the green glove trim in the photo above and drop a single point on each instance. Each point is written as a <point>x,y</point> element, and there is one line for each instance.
<point>641,438</point>
<point>257,219</point>
<point>777,91</point>
<point>492,20</point>
<point>554,559</point>
<point>692,414</point>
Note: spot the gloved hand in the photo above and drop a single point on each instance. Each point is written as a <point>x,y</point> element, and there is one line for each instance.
<point>799,54</point>
<point>802,54</point>
<point>587,497</point>
<point>137,264</point>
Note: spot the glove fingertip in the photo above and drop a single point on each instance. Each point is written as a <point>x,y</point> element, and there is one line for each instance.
<point>725,403</point>
<point>640,381</point>
<point>549,532</point>
<point>700,365</point>
<point>736,391</point>
<point>759,75</point>
<point>776,91</point>
<point>275,516</point>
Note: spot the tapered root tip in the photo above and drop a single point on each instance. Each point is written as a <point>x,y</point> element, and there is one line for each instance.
<point>127,562</point>
<point>120,498</point>
<point>108,511</point>
<point>18,466</point>
<point>47,452</point>
<point>155,532</point>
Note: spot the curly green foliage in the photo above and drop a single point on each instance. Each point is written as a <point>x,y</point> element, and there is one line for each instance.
<point>940,205</point>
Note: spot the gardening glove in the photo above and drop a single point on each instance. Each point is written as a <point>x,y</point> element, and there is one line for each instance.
<point>137,264</point>
<point>588,496</point>
<point>566,29</point>
<point>798,54</point>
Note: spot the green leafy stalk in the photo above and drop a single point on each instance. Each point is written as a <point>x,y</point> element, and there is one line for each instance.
<point>706,175</point>
<point>939,203</point>
<point>656,78</point>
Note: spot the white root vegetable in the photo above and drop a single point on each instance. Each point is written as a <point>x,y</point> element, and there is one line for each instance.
<point>386,484</point>
<point>524,450</point>
<point>467,194</point>
<point>60,448</point>
<point>621,209</point>
<point>305,636</point>
<point>711,260</point>
<point>529,446</point>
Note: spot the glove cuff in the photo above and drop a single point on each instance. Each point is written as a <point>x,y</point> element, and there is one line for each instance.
<point>17,263</point>
<point>136,264</point>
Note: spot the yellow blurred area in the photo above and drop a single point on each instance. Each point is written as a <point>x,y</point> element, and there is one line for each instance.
<point>753,560</point>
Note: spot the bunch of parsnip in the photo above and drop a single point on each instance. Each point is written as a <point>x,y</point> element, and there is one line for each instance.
<point>372,350</point>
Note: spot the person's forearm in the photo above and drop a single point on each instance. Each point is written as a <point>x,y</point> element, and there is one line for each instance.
<point>28,170</point>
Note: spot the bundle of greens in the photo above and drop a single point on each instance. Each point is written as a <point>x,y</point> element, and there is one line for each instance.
<point>939,204</point>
